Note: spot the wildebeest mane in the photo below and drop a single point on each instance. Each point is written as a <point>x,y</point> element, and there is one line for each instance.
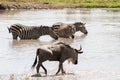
<point>64,44</point>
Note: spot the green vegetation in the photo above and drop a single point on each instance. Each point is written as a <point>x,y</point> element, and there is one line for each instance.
<point>82,3</point>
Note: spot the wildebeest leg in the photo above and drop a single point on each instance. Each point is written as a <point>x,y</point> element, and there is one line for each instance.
<point>63,72</point>
<point>60,64</point>
<point>44,69</point>
<point>37,69</point>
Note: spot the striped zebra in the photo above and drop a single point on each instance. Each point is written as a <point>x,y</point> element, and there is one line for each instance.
<point>30,32</point>
<point>68,30</point>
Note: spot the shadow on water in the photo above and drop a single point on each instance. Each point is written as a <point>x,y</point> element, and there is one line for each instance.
<point>32,45</point>
<point>70,41</point>
<point>60,75</point>
<point>67,40</point>
<point>24,42</point>
<point>67,76</point>
<point>38,42</point>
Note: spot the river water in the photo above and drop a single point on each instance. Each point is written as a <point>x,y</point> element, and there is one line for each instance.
<point>101,57</point>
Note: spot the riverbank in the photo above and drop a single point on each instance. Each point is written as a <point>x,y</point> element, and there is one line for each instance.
<point>56,5</point>
<point>21,5</point>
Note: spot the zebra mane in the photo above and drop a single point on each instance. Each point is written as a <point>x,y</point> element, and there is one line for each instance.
<point>43,26</point>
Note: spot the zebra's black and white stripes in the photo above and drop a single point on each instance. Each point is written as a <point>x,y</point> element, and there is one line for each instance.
<point>57,30</point>
<point>30,32</point>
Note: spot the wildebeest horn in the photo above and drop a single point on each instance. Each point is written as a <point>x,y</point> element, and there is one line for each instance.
<point>79,51</point>
<point>80,48</point>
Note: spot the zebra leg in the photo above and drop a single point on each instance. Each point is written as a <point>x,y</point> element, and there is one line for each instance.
<point>14,36</point>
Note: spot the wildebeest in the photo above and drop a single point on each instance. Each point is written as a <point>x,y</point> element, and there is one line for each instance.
<point>55,52</point>
<point>64,30</point>
<point>31,32</point>
<point>68,30</point>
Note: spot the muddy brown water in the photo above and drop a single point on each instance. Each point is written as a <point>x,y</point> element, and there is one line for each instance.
<point>101,57</point>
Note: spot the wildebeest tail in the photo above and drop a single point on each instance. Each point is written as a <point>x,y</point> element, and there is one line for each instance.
<point>35,59</point>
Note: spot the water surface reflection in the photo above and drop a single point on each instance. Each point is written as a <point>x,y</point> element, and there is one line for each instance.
<point>101,46</point>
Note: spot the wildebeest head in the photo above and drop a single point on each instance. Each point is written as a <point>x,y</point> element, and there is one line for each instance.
<point>81,27</point>
<point>74,58</point>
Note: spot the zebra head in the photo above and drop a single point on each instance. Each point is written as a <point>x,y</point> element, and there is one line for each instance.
<point>81,27</point>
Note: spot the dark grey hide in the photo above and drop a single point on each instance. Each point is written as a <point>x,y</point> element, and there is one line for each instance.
<point>55,52</point>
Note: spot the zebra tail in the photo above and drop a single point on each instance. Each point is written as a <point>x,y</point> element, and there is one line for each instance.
<point>8,29</point>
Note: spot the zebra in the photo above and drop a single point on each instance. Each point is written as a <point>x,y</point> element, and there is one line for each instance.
<point>68,30</point>
<point>31,32</point>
